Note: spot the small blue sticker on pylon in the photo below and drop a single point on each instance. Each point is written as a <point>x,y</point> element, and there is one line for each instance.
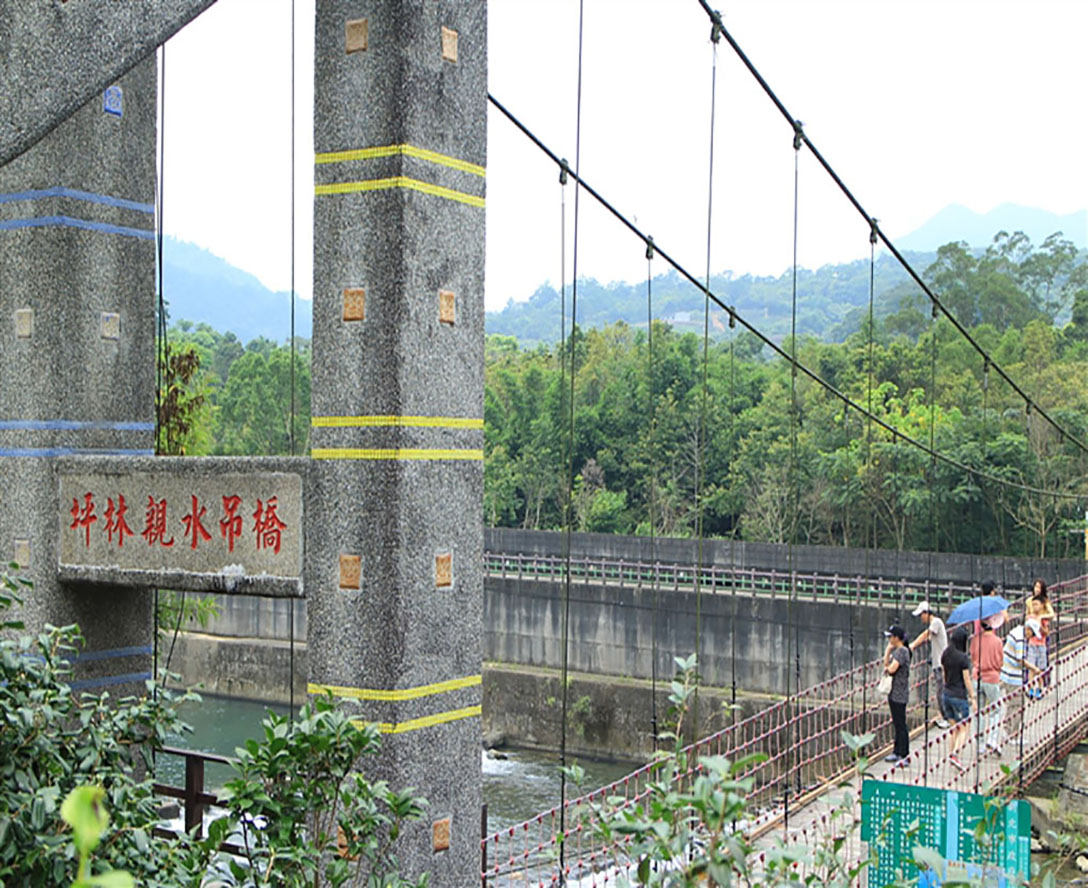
<point>113,101</point>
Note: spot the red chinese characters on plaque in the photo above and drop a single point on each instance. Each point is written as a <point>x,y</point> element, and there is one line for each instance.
<point>155,530</point>
<point>83,516</point>
<point>231,524</point>
<point>163,517</point>
<point>268,526</point>
<point>245,529</point>
<point>115,520</point>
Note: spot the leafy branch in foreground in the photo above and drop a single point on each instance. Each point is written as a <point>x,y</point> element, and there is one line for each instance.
<point>306,812</point>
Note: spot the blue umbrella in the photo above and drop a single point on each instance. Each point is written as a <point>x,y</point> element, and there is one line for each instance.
<point>980,608</point>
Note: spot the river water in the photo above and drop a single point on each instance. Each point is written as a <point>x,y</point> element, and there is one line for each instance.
<point>517,784</point>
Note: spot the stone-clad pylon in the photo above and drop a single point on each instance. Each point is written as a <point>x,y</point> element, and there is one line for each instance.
<point>395,617</point>
<point>382,529</point>
<point>77,353</point>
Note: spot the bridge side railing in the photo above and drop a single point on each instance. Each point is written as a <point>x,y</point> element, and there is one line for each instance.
<point>802,739</point>
<point>834,588</point>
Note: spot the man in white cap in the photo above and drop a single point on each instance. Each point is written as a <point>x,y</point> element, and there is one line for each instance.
<point>937,636</point>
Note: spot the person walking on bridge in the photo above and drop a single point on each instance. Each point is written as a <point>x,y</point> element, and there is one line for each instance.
<point>1015,663</point>
<point>897,665</point>
<point>958,689</point>
<point>987,655</point>
<point>1039,608</point>
<point>937,636</point>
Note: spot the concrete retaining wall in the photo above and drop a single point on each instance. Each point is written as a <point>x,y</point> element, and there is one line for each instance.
<point>612,632</point>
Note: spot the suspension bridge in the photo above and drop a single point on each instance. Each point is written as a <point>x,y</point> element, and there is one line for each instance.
<point>421,442</point>
<point>807,762</point>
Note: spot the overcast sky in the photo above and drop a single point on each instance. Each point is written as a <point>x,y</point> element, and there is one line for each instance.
<point>916,103</point>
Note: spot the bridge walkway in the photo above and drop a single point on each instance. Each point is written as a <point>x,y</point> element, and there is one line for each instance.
<point>807,759</point>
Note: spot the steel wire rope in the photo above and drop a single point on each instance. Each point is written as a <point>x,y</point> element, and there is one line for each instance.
<point>978,666</point>
<point>715,17</point>
<point>1023,708</point>
<point>868,461</point>
<point>160,312</point>
<point>294,352</point>
<point>700,443</point>
<point>651,393</point>
<point>791,642</point>
<point>163,348</point>
<point>933,527</point>
<point>733,527</point>
<point>570,445</point>
<point>291,431</point>
<point>762,337</point>
<point>1053,663</point>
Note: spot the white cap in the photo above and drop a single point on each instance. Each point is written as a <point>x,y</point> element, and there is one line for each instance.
<point>1034,626</point>
<point>923,608</point>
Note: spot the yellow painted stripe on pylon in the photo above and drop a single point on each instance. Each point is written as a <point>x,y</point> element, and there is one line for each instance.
<point>399,182</point>
<point>396,453</point>
<point>427,721</point>
<point>429,690</point>
<point>400,150</point>
<point>429,422</point>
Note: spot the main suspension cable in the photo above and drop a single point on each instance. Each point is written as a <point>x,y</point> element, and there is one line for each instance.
<point>716,18</point>
<point>763,338</point>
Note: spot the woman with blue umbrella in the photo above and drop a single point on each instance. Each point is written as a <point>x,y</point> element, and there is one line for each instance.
<point>982,607</point>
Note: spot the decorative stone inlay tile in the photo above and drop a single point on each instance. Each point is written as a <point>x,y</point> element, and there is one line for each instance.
<point>354,304</point>
<point>21,553</point>
<point>440,834</point>
<point>356,35</point>
<point>110,325</point>
<point>449,45</point>
<point>443,569</point>
<point>447,307</point>
<point>24,323</point>
<point>351,572</point>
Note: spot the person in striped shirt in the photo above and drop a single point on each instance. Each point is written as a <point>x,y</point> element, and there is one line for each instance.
<point>1013,666</point>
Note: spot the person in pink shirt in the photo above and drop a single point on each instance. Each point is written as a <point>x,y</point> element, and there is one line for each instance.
<point>987,654</point>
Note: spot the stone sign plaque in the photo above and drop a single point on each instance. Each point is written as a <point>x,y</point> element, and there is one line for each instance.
<point>214,532</point>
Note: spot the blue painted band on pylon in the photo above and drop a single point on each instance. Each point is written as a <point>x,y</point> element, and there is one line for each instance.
<point>70,222</point>
<point>73,425</point>
<point>52,452</point>
<point>85,684</point>
<point>91,656</point>
<point>76,194</point>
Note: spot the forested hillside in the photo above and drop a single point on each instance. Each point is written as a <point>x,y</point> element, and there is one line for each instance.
<point>637,414</point>
<point>835,296</point>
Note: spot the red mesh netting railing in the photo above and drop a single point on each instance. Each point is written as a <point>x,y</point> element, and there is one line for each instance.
<point>805,754</point>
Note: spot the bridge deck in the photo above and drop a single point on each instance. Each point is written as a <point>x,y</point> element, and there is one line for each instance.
<point>805,753</point>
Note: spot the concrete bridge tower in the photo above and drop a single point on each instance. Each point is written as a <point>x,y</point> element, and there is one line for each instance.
<point>381,528</point>
<point>396,616</point>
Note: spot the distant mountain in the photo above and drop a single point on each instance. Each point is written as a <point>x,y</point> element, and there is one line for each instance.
<point>828,302</point>
<point>957,223</point>
<point>201,287</point>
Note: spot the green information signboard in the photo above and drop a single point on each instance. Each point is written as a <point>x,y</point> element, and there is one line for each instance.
<point>896,818</point>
